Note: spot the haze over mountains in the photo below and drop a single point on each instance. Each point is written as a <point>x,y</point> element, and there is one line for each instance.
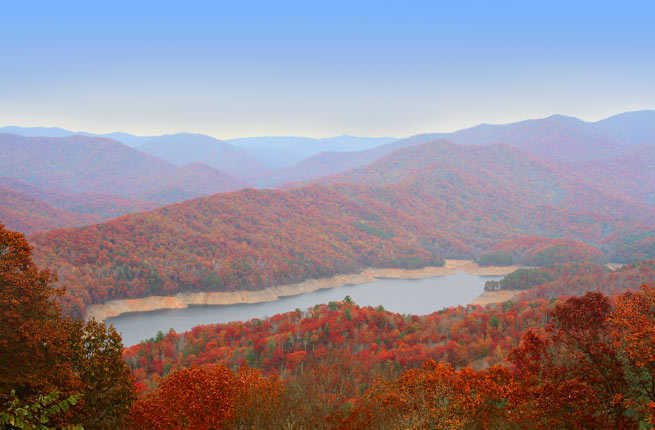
<point>90,175</point>
<point>101,176</point>
<point>499,167</point>
<point>564,138</point>
<point>186,148</point>
<point>125,138</point>
<point>180,148</point>
<point>631,173</point>
<point>279,152</point>
<point>273,161</point>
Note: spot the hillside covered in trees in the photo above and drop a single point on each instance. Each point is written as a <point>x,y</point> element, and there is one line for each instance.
<point>532,363</point>
<point>371,337</point>
<point>539,251</point>
<point>581,361</point>
<point>245,240</point>
<point>410,209</point>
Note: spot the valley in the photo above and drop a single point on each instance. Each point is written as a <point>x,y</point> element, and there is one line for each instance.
<point>419,296</point>
<point>327,215</point>
<point>185,254</point>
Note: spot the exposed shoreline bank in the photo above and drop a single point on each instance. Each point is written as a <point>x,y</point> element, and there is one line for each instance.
<point>499,296</point>
<point>115,308</point>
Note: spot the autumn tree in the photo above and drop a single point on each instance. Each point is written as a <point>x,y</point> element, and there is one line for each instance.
<point>107,389</point>
<point>35,350</point>
<point>210,397</point>
<point>41,352</point>
<point>436,397</point>
<point>571,375</point>
<point>633,331</point>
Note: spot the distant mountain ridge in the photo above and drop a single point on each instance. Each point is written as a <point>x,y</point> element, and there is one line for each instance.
<point>558,139</point>
<point>282,152</point>
<point>125,138</point>
<point>272,161</point>
<point>82,164</point>
<point>630,174</point>
<point>187,148</point>
<point>270,152</point>
<point>282,161</point>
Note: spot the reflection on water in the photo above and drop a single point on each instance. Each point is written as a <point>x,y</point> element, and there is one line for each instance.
<point>407,296</point>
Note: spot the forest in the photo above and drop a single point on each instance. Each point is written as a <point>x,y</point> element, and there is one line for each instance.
<point>573,348</point>
<point>573,351</point>
<point>539,251</point>
<point>410,209</point>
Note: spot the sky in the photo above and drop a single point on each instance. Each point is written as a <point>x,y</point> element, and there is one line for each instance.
<point>318,69</point>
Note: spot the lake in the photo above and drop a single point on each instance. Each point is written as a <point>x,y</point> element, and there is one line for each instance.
<point>405,296</point>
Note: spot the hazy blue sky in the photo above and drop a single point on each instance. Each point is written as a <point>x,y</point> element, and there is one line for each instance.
<point>309,68</point>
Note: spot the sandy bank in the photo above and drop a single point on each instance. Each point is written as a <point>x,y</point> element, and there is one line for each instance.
<point>182,300</point>
<point>499,296</point>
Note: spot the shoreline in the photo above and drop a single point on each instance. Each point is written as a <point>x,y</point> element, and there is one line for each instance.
<point>499,296</point>
<point>114,308</point>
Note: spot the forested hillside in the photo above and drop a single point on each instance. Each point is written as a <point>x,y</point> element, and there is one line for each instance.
<point>373,337</point>
<point>631,247</point>
<point>103,206</point>
<point>245,240</point>
<point>343,361</point>
<point>538,362</point>
<point>501,168</point>
<point>24,213</point>
<point>409,209</point>
<point>630,174</point>
<point>539,251</point>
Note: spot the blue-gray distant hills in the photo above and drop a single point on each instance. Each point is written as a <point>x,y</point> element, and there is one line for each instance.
<point>186,148</point>
<point>282,152</point>
<point>243,157</point>
<point>276,161</point>
<point>557,138</point>
<point>124,138</point>
<point>91,169</point>
<point>561,137</point>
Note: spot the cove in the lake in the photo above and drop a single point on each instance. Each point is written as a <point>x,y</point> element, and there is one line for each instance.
<point>408,296</point>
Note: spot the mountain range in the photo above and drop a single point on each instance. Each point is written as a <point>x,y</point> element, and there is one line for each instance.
<point>282,152</point>
<point>99,176</point>
<point>557,137</point>
<point>272,152</point>
<point>410,208</point>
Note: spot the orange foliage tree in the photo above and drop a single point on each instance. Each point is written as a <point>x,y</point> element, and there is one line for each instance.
<point>633,322</point>
<point>209,397</point>
<point>585,369</point>
<point>43,353</point>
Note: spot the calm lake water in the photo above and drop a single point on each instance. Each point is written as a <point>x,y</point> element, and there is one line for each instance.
<point>406,296</point>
